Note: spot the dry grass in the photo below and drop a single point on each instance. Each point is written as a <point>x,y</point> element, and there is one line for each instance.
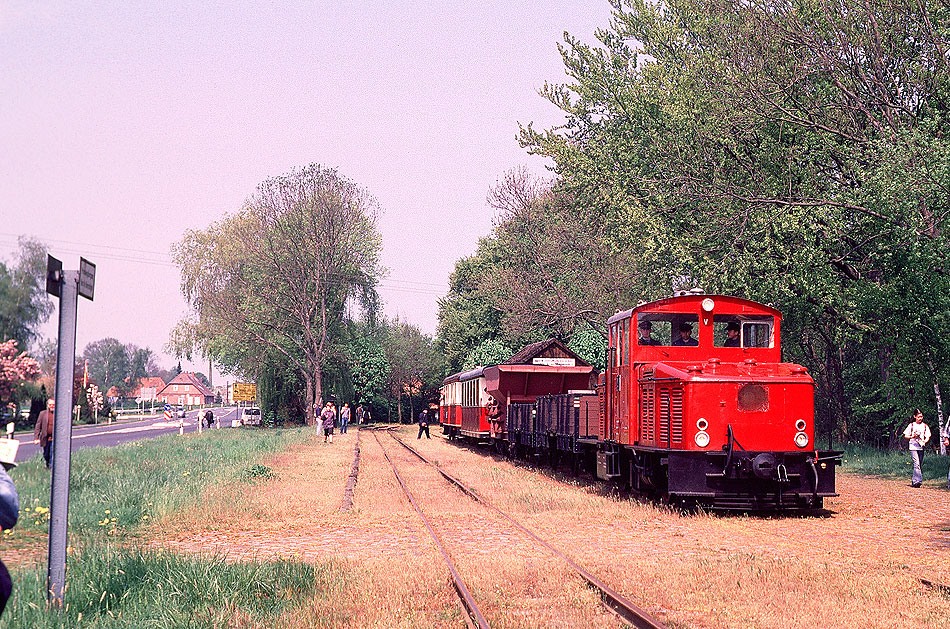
<point>856,568</point>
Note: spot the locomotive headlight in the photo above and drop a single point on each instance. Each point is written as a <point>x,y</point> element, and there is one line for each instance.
<point>702,424</point>
<point>701,439</point>
<point>800,425</point>
<point>708,305</point>
<point>801,440</point>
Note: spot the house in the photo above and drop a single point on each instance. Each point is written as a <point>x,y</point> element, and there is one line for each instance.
<point>186,390</point>
<point>145,388</point>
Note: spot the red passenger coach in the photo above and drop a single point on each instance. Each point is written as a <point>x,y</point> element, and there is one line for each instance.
<point>475,403</point>
<point>463,405</point>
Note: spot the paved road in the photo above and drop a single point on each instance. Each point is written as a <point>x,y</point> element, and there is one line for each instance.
<point>105,435</point>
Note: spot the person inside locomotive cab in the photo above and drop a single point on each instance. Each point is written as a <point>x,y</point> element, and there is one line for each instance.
<point>646,329</point>
<point>732,335</point>
<point>686,336</point>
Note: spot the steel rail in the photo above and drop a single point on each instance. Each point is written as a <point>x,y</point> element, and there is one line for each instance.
<point>615,601</point>
<point>464,595</point>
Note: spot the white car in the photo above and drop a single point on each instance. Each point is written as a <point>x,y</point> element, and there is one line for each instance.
<point>181,412</point>
<point>251,416</point>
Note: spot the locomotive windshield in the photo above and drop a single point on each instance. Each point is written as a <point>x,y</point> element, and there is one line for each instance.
<point>743,330</point>
<point>668,329</point>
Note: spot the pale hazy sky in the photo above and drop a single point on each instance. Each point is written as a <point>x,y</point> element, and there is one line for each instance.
<point>123,124</point>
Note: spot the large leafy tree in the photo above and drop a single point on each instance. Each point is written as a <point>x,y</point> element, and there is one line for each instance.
<point>413,370</point>
<point>788,151</point>
<point>24,304</point>
<point>109,364</point>
<point>272,283</point>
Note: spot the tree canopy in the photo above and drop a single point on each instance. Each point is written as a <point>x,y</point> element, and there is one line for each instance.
<point>791,152</point>
<point>273,282</point>
<point>24,304</point>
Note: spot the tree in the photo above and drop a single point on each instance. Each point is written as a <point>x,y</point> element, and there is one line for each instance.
<point>489,352</point>
<point>24,304</point>
<point>16,368</point>
<point>274,281</point>
<point>109,364</point>
<point>410,352</point>
<point>368,364</point>
<point>787,152</point>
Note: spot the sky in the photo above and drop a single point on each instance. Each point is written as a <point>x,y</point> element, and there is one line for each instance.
<point>125,124</point>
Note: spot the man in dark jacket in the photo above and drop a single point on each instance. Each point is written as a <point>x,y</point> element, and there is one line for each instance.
<point>43,433</point>
<point>424,424</point>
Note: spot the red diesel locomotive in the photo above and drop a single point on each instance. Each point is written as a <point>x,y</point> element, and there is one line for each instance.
<point>695,407</point>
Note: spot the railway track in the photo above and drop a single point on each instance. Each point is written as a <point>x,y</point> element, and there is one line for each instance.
<point>617,603</point>
<point>475,616</point>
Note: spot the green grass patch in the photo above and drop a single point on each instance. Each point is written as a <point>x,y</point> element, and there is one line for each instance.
<point>121,587</point>
<point>892,464</point>
<point>257,472</point>
<point>112,581</point>
<point>114,491</point>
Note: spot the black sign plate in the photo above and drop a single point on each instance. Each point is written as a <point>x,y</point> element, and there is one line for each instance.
<point>54,275</point>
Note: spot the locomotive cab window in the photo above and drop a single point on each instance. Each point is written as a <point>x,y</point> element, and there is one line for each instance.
<point>743,331</point>
<point>667,329</point>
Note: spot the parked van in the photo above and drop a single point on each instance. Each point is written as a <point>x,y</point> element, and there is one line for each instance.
<point>251,416</point>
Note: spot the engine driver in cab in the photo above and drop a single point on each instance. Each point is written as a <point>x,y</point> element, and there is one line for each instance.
<point>646,328</point>
<point>686,337</point>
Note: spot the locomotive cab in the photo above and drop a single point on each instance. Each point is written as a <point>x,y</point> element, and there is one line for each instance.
<point>699,407</point>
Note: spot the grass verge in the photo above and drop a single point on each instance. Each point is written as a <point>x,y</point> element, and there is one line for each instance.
<point>116,491</point>
<point>892,464</point>
<point>119,498</point>
<point>128,587</point>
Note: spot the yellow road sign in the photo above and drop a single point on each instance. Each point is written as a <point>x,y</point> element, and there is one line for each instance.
<point>244,392</point>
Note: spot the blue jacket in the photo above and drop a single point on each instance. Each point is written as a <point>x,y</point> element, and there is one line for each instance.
<point>9,501</point>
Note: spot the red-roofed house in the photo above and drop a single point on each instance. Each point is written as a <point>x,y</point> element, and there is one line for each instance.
<point>186,390</point>
<point>143,383</point>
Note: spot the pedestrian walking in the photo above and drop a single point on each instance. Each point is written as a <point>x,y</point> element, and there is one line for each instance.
<point>9,513</point>
<point>423,424</point>
<point>43,432</point>
<point>360,414</point>
<point>918,434</point>
<point>946,442</point>
<point>344,417</point>
<point>328,417</point>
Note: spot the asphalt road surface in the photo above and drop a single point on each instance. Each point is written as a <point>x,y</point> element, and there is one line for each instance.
<point>105,435</point>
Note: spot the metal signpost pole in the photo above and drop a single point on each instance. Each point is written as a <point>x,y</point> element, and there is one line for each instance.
<point>62,432</point>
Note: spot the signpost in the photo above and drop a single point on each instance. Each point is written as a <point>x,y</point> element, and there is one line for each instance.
<point>66,286</point>
<point>244,392</point>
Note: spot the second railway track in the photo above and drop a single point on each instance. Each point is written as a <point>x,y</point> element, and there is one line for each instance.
<point>614,601</point>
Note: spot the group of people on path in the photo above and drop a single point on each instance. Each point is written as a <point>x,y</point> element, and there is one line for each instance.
<point>327,419</point>
<point>918,435</point>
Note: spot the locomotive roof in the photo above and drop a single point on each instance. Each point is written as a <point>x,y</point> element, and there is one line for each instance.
<point>725,304</point>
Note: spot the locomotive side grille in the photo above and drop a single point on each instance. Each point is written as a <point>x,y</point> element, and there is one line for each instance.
<point>647,412</point>
<point>671,415</point>
<point>676,414</point>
